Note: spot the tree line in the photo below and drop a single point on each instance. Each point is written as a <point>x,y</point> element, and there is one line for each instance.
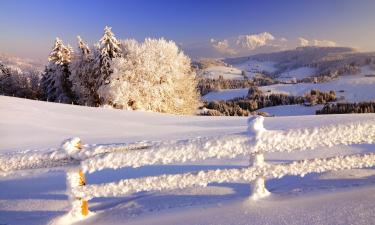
<point>345,108</point>
<point>256,99</point>
<point>154,75</point>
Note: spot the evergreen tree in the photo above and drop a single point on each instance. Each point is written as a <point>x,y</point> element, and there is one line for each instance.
<point>84,50</point>
<point>55,80</point>
<point>82,74</point>
<point>108,49</point>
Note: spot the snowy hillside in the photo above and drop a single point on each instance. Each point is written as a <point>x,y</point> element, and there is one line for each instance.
<point>20,64</point>
<point>226,72</point>
<point>227,94</point>
<point>351,88</point>
<point>237,70</point>
<point>254,67</point>
<point>41,198</point>
<point>299,73</point>
<point>304,61</point>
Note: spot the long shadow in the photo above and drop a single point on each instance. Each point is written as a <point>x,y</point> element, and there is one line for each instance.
<point>110,175</point>
<point>37,187</point>
<point>28,217</point>
<point>146,202</point>
<point>45,187</point>
<point>311,183</point>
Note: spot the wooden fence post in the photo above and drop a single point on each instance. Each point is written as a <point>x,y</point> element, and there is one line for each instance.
<point>84,203</point>
<point>75,178</point>
<point>258,187</point>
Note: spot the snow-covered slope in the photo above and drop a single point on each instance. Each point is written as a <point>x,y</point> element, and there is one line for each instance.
<point>352,88</point>
<point>291,110</point>
<point>254,67</point>
<point>20,64</point>
<point>226,72</point>
<point>41,198</point>
<point>226,94</point>
<point>27,124</point>
<point>299,73</point>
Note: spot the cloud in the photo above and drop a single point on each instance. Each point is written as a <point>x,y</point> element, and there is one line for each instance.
<point>222,47</point>
<point>320,43</point>
<point>303,42</point>
<point>247,44</point>
<point>254,41</point>
<point>250,44</point>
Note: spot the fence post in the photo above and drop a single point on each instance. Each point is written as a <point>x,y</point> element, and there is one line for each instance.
<point>75,178</point>
<point>258,187</point>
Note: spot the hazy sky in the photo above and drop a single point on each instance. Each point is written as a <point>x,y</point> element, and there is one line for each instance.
<point>201,27</point>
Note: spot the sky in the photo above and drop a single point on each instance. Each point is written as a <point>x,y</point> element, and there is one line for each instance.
<point>202,28</point>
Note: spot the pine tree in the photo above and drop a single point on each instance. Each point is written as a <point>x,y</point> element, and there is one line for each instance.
<point>108,49</point>
<point>55,80</point>
<point>82,74</point>
<point>82,46</point>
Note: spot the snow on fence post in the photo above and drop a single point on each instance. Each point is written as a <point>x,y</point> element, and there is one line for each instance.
<point>256,128</point>
<point>75,178</point>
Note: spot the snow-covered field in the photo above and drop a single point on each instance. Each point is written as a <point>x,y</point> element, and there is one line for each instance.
<point>226,94</point>
<point>251,68</point>
<point>299,73</point>
<point>215,72</point>
<point>291,110</point>
<point>343,197</point>
<point>351,88</point>
<point>257,66</point>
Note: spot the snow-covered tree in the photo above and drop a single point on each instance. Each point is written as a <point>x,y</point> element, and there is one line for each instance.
<point>83,47</point>
<point>108,49</point>
<point>154,75</point>
<point>82,75</point>
<point>55,80</point>
<point>15,82</point>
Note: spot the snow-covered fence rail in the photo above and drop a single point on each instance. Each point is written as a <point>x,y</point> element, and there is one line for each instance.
<point>254,143</point>
<point>202,178</point>
<point>256,140</point>
<point>66,155</point>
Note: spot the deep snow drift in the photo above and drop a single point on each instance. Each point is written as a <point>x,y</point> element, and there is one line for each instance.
<point>40,198</point>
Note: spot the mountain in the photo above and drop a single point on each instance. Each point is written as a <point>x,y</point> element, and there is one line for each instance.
<point>327,61</point>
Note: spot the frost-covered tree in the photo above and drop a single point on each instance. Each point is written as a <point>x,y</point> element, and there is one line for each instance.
<point>82,75</point>
<point>55,80</point>
<point>15,82</point>
<point>154,75</point>
<point>108,48</point>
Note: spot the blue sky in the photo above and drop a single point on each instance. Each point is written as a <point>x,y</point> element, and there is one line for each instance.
<point>202,27</point>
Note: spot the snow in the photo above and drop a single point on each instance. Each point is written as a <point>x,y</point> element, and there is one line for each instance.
<point>226,94</point>
<point>41,198</point>
<point>351,88</point>
<point>45,125</point>
<point>203,178</point>
<point>291,110</point>
<point>367,70</point>
<point>226,72</point>
<point>299,73</point>
<point>234,71</point>
<point>231,146</point>
<point>256,66</point>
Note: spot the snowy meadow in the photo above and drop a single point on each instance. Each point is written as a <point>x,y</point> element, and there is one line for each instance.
<point>187,113</point>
